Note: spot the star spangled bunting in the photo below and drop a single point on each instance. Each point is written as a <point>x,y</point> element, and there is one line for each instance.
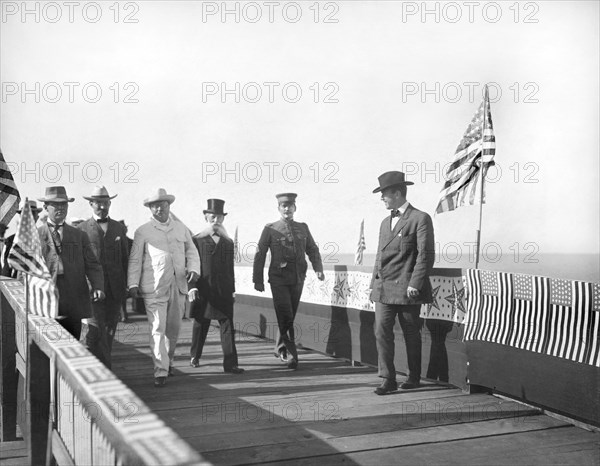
<point>9,194</point>
<point>473,156</point>
<point>358,258</point>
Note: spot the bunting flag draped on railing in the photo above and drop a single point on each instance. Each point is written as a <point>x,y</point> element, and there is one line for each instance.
<point>556,317</point>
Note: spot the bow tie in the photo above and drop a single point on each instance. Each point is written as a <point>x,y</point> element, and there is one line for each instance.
<point>55,227</point>
<point>102,220</point>
<point>396,213</point>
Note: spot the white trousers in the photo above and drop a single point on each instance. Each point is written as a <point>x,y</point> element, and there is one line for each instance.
<point>164,317</point>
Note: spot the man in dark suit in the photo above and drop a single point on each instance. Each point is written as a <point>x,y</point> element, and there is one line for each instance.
<point>289,242</point>
<point>109,242</point>
<point>70,259</point>
<point>400,283</point>
<point>212,294</point>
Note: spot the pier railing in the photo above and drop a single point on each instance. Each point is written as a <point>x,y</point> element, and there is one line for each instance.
<point>69,407</point>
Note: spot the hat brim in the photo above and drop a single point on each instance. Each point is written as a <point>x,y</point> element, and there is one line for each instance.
<point>98,198</point>
<point>55,199</point>
<point>213,212</point>
<point>169,198</point>
<point>381,188</point>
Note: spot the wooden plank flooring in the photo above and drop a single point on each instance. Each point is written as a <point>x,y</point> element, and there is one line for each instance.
<point>326,412</point>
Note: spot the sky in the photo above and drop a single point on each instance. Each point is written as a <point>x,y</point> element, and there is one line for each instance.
<point>244,100</point>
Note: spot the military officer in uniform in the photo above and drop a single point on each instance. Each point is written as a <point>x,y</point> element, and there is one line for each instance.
<point>289,242</point>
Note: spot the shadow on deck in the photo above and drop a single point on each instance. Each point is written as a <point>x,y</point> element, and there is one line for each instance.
<point>326,412</point>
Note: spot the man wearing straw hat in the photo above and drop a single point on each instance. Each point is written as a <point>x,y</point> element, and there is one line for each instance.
<point>400,283</point>
<point>71,262</point>
<point>109,241</point>
<point>162,262</point>
<point>212,295</point>
<point>289,242</point>
<point>7,270</point>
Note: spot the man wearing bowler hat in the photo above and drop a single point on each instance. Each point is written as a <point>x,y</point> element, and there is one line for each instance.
<point>212,294</point>
<point>400,283</point>
<point>109,241</point>
<point>163,260</point>
<point>289,242</point>
<point>71,261</point>
<point>7,270</point>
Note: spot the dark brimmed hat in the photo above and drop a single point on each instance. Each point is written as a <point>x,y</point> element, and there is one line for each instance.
<point>389,179</point>
<point>215,206</point>
<point>286,197</point>
<point>159,195</point>
<point>100,193</point>
<point>56,194</point>
<point>32,206</point>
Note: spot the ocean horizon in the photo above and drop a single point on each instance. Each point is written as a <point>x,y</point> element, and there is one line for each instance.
<point>582,267</point>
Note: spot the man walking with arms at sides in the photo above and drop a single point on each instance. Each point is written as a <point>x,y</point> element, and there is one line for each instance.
<point>163,260</point>
<point>289,242</point>
<point>212,294</point>
<point>400,283</point>
<point>70,259</point>
<point>109,241</point>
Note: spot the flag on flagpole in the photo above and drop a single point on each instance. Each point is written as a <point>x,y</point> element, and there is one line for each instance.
<point>26,256</point>
<point>9,194</point>
<point>358,258</point>
<point>236,247</point>
<point>473,156</point>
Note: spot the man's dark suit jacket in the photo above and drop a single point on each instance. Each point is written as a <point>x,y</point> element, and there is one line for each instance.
<point>216,283</point>
<point>112,249</point>
<point>405,257</point>
<point>289,243</point>
<point>79,261</point>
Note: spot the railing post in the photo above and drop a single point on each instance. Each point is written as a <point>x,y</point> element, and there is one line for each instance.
<point>8,372</point>
<point>38,403</point>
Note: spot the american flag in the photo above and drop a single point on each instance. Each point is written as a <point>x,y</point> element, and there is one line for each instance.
<point>26,256</point>
<point>358,258</point>
<point>9,195</point>
<point>474,154</point>
<point>236,247</point>
<point>559,318</point>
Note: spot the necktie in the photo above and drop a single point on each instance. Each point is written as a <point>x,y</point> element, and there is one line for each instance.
<point>56,237</point>
<point>395,213</point>
<point>102,220</point>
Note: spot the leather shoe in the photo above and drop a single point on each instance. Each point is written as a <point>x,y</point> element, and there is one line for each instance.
<point>283,357</point>
<point>194,362</point>
<point>160,382</point>
<point>292,363</point>
<point>234,370</point>
<point>387,386</point>
<point>409,384</point>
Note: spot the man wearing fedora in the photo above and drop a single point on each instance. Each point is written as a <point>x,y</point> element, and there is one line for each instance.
<point>71,261</point>
<point>289,242</point>
<point>212,294</point>
<point>163,260</point>
<point>109,242</point>
<point>7,270</point>
<point>400,282</point>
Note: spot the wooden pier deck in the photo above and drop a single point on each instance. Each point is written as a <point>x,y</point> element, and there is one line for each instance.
<point>326,412</point>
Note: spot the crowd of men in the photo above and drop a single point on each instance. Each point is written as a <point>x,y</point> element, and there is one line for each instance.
<point>96,267</point>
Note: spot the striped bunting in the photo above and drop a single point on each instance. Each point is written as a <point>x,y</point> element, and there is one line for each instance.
<point>9,194</point>
<point>560,318</point>
<point>473,156</point>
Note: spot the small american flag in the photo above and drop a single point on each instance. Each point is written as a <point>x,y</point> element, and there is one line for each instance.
<point>9,195</point>
<point>474,155</point>
<point>26,256</point>
<point>236,247</point>
<point>358,258</point>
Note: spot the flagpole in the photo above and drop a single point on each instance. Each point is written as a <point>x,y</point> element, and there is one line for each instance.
<point>482,173</point>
